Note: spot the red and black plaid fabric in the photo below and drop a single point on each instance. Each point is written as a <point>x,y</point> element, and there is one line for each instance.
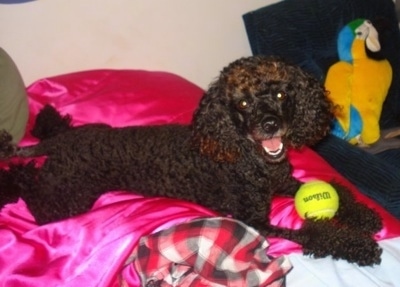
<point>208,252</point>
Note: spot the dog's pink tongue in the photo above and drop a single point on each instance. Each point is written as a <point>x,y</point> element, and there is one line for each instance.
<point>272,144</point>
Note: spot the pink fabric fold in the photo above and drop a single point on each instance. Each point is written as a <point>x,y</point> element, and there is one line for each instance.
<point>89,250</point>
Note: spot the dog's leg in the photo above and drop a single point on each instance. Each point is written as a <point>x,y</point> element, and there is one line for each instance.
<point>355,214</point>
<point>347,236</point>
<point>21,181</point>
<point>58,197</point>
<point>321,238</point>
<point>9,190</point>
<point>49,206</point>
<point>7,148</point>
<point>289,187</point>
<point>15,181</point>
<point>325,238</point>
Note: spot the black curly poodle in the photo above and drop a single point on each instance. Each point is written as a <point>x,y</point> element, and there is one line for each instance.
<point>232,159</point>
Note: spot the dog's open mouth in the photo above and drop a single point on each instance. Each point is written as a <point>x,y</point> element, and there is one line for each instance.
<point>273,147</point>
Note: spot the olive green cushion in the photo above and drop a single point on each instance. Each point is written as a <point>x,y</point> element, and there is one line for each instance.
<point>13,98</point>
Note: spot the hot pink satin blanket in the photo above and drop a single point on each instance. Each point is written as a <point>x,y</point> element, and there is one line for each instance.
<point>90,249</point>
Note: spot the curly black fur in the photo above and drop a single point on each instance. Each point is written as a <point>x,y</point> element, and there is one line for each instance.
<point>232,159</point>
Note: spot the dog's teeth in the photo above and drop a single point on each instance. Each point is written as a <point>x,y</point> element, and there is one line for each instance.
<point>274,152</point>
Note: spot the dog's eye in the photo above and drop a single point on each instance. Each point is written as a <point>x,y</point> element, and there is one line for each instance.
<point>243,104</point>
<point>281,96</point>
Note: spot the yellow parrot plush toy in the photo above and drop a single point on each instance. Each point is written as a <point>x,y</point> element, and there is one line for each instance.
<point>357,84</point>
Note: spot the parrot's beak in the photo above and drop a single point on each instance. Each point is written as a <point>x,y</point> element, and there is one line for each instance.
<point>372,40</point>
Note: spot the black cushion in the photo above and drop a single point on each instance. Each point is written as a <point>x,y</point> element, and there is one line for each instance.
<point>305,32</point>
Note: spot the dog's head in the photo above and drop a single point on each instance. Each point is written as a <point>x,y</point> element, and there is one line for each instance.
<point>265,101</point>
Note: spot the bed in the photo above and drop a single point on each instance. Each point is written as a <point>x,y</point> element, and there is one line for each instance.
<point>95,249</point>
<point>100,247</point>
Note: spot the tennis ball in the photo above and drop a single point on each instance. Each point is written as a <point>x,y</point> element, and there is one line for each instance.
<point>316,199</point>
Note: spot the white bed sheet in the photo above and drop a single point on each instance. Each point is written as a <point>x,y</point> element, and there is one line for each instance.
<point>326,272</point>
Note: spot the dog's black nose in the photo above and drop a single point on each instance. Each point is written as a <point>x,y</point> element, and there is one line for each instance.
<point>271,124</point>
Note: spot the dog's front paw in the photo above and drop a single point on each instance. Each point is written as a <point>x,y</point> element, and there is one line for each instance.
<point>7,148</point>
<point>325,238</point>
<point>354,214</point>
<point>362,218</point>
<point>369,222</point>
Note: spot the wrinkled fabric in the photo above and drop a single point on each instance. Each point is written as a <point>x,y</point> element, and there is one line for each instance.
<point>90,249</point>
<point>87,250</point>
<point>212,252</point>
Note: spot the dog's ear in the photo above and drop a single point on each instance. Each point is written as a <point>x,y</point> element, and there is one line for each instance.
<point>214,131</point>
<point>313,113</point>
